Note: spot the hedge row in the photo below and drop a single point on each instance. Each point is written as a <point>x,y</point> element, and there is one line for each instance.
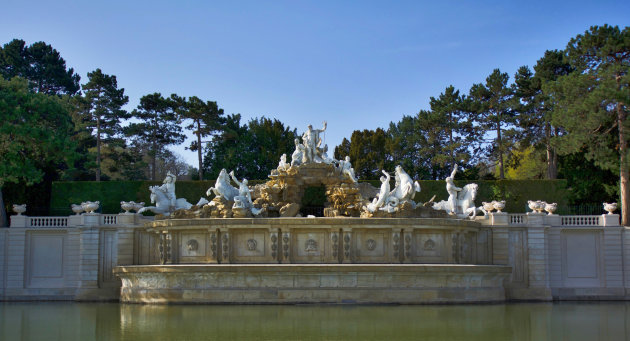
<point>111,193</point>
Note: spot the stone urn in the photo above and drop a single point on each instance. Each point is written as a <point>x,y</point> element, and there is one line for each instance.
<point>612,207</point>
<point>90,206</point>
<point>127,206</point>
<point>499,205</point>
<point>536,206</point>
<point>488,206</point>
<point>550,208</point>
<point>78,209</point>
<point>19,209</point>
<point>137,206</point>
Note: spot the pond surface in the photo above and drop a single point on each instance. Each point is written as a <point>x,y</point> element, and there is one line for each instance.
<point>113,321</point>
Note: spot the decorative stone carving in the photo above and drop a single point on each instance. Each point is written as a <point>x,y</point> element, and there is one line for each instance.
<point>285,245</point>
<point>536,206</point>
<point>274,245</point>
<point>310,245</point>
<point>396,246</point>
<point>346,246</point>
<point>192,245</point>
<point>251,244</point>
<point>213,244</point>
<point>397,202</point>
<point>550,208</point>
<point>77,208</point>
<point>345,168</point>
<point>334,237</point>
<point>90,206</point>
<point>407,246</point>
<point>612,207</point>
<point>137,206</point>
<point>283,166</point>
<point>370,244</point>
<point>223,188</point>
<point>225,248</point>
<point>499,205</point>
<point>312,141</point>
<point>487,207</point>
<point>19,209</point>
<point>298,154</point>
<point>429,245</point>
<point>127,206</point>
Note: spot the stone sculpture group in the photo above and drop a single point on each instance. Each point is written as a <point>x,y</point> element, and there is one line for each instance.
<point>310,165</point>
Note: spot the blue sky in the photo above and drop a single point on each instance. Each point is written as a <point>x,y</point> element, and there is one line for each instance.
<point>356,64</point>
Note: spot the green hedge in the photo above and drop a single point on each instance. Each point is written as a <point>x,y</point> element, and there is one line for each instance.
<point>111,193</point>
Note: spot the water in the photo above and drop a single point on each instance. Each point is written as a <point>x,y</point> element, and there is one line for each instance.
<point>112,321</point>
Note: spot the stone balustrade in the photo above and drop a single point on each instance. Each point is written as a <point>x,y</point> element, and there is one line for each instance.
<point>86,219</point>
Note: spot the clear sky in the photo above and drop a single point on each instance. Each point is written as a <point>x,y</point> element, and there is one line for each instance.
<point>356,64</point>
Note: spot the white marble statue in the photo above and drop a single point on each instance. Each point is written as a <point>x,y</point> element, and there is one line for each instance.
<point>168,187</point>
<point>283,166</point>
<point>163,204</point>
<point>244,197</point>
<point>382,196</point>
<point>298,154</point>
<point>223,188</point>
<point>406,188</point>
<point>345,167</point>
<point>312,141</point>
<point>461,201</point>
<point>452,192</point>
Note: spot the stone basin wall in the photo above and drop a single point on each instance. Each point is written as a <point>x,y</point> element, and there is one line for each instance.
<point>315,241</point>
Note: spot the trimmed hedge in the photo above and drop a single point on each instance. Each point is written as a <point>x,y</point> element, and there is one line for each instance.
<point>111,193</point>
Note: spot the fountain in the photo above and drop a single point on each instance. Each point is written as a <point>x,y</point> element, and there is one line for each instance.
<point>251,244</point>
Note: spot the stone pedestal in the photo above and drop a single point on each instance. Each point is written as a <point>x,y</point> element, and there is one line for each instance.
<point>552,220</point>
<point>499,218</point>
<point>90,219</point>
<point>18,220</point>
<point>610,220</point>
<point>535,219</point>
<point>126,218</point>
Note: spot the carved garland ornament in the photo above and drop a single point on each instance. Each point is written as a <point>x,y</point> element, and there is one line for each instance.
<point>370,244</point>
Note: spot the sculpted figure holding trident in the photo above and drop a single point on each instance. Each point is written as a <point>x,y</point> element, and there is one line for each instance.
<point>312,141</point>
<point>452,191</point>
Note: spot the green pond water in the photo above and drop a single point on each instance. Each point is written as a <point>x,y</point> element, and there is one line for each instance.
<point>112,321</point>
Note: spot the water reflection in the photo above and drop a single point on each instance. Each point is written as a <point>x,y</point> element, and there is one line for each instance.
<point>94,321</point>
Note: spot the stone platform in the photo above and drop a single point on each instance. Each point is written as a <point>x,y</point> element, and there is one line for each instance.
<point>313,283</point>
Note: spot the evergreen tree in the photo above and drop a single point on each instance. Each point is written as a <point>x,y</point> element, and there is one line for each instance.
<point>159,125</point>
<point>105,111</point>
<point>592,102</point>
<point>367,151</point>
<point>493,104</point>
<point>41,65</point>
<point>230,149</point>
<point>205,119</point>
<point>535,110</point>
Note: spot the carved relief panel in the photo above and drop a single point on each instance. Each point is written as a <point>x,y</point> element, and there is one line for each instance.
<point>430,247</point>
<point>372,246</point>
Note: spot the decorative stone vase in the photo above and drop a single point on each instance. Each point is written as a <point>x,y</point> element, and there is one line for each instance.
<point>19,209</point>
<point>550,208</point>
<point>127,206</point>
<point>78,209</point>
<point>499,205</point>
<point>488,206</point>
<point>138,205</point>
<point>536,206</point>
<point>612,207</point>
<point>90,206</point>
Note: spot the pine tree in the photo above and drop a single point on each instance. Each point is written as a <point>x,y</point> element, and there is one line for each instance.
<point>105,111</point>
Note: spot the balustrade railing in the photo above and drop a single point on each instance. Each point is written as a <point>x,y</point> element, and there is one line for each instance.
<point>47,222</point>
<point>580,220</point>
<point>517,219</point>
<point>109,219</point>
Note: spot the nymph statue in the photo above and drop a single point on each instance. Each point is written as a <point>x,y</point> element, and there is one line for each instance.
<point>345,167</point>
<point>283,165</point>
<point>168,188</point>
<point>461,201</point>
<point>244,197</point>
<point>298,154</point>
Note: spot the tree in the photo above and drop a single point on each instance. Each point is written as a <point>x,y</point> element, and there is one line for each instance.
<point>36,130</point>
<point>159,126</point>
<point>535,110</point>
<point>251,150</point>
<point>104,110</point>
<point>450,110</point>
<point>493,104</point>
<point>367,151</point>
<point>205,119</point>
<point>592,102</point>
<point>41,65</point>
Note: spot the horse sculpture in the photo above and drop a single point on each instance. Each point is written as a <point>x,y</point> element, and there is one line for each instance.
<point>162,203</point>
<point>223,188</point>
<point>465,202</point>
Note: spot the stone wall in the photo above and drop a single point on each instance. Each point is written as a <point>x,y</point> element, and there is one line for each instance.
<point>551,257</point>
